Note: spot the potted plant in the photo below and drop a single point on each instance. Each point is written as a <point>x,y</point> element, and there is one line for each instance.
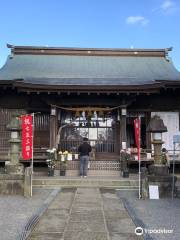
<point>51,161</point>
<point>62,157</point>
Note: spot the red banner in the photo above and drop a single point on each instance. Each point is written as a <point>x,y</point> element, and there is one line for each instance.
<point>137,129</point>
<point>27,122</point>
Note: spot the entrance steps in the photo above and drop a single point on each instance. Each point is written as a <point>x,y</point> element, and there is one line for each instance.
<point>120,183</point>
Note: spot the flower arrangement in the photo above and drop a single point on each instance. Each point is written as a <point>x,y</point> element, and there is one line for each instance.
<point>51,158</point>
<point>63,157</point>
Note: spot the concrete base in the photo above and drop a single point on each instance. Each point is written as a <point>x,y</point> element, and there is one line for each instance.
<point>16,184</point>
<point>164,184</point>
<point>14,169</point>
<point>159,170</point>
<point>11,184</point>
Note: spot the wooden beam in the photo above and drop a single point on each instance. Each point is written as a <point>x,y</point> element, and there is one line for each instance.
<point>53,127</point>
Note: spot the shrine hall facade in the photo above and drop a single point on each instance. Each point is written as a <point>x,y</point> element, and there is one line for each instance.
<point>87,92</point>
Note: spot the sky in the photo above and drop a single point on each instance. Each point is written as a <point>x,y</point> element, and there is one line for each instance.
<point>91,23</point>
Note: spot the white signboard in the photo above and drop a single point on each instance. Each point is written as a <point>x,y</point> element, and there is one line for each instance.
<point>76,156</point>
<point>171,121</point>
<point>153,192</point>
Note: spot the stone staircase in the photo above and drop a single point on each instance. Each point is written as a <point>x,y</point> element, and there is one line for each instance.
<point>130,183</point>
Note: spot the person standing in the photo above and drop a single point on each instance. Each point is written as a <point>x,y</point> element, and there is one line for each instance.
<point>84,150</point>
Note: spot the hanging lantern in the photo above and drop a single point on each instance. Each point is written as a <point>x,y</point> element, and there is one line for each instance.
<point>83,114</point>
<point>101,113</point>
<point>118,115</point>
<point>77,114</point>
<point>89,114</point>
<point>95,115</point>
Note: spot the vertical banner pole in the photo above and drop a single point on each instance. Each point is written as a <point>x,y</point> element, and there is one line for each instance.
<point>32,159</point>
<point>139,156</point>
<point>173,170</point>
<point>32,162</point>
<point>137,128</point>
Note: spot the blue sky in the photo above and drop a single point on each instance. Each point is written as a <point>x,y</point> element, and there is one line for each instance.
<point>91,23</point>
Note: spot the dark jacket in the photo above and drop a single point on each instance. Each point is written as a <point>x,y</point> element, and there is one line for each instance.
<point>84,149</point>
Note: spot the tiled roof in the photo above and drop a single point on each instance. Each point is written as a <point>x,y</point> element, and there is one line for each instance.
<point>72,69</point>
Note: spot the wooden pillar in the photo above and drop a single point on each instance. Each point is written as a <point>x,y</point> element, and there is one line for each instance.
<point>123,140</point>
<point>53,127</point>
<point>117,137</point>
<point>117,132</point>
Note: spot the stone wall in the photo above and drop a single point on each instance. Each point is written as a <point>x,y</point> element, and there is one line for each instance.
<point>11,184</point>
<point>16,184</point>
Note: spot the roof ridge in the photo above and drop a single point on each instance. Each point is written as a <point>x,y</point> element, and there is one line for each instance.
<point>88,51</point>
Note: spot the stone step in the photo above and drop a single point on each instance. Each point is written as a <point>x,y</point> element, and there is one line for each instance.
<point>85,182</point>
<point>75,173</point>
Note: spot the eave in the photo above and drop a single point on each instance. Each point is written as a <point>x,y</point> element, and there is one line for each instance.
<point>26,87</point>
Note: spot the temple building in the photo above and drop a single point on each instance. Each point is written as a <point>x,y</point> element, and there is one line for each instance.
<point>88,92</point>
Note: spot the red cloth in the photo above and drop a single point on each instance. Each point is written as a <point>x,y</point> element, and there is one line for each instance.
<point>137,129</point>
<point>27,138</point>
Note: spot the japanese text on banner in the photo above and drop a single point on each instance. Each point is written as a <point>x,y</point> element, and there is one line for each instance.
<point>137,128</point>
<point>27,132</point>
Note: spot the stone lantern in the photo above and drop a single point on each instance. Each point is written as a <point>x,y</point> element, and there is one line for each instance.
<point>15,180</point>
<point>14,167</point>
<point>158,174</point>
<point>157,127</point>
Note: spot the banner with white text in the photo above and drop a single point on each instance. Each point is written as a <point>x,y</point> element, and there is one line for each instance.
<point>27,122</point>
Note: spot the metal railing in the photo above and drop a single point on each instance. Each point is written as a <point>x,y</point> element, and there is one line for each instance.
<point>99,146</point>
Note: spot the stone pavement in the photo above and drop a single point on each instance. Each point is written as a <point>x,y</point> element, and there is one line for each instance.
<point>154,214</point>
<point>85,214</point>
<point>15,212</point>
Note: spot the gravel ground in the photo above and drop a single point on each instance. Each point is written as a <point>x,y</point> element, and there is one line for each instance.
<point>16,210</point>
<point>154,214</point>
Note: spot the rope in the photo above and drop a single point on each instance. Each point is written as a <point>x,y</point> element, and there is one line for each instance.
<point>87,109</point>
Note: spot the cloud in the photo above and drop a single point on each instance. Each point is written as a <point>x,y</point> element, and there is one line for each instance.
<point>167,7</point>
<point>137,20</point>
<point>167,4</point>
